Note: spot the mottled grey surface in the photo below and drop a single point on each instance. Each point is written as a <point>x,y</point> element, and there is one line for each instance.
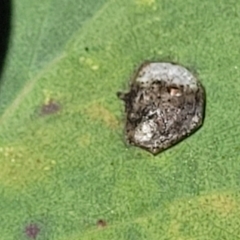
<point>165,104</point>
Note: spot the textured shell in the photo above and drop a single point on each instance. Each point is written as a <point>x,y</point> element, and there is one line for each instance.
<point>165,104</point>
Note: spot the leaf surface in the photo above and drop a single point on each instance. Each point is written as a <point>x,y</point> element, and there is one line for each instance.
<point>64,164</point>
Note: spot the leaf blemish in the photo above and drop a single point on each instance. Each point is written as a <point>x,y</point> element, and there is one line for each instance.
<point>32,231</point>
<point>101,223</point>
<point>50,108</point>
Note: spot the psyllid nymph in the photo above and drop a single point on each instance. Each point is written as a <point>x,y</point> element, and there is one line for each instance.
<point>164,105</point>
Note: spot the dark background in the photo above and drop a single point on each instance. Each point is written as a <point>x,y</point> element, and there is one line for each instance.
<point>5,29</point>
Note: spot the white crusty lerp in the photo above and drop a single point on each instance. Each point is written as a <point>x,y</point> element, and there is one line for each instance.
<point>167,72</point>
<point>165,104</point>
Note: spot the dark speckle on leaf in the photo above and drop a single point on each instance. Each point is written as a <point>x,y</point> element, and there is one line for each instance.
<point>101,223</point>
<point>32,231</point>
<point>50,108</point>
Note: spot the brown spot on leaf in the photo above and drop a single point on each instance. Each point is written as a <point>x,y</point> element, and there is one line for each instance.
<point>101,223</point>
<point>32,231</point>
<point>50,108</point>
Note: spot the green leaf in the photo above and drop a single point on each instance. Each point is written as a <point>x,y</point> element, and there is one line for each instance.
<point>64,163</point>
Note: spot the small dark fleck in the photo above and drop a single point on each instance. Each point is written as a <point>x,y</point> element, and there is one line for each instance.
<point>50,108</point>
<point>32,231</point>
<point>101,223</point>
<point>86,49</point>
